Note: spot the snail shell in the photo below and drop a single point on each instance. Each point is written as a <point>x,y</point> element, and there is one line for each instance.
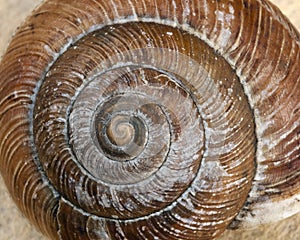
<point>151,120</point>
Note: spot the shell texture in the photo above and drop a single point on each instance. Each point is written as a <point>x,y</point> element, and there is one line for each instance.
<point>151,119</point>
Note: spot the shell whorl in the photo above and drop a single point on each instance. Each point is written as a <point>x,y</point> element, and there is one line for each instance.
<point>148,120</point>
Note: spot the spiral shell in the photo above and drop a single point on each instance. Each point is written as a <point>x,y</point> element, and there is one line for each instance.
<point>151,119</point>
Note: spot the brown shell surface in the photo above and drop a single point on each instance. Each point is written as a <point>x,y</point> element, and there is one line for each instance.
<point>151,119</point>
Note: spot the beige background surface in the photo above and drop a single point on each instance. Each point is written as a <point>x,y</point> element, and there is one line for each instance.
<point>14,227</point>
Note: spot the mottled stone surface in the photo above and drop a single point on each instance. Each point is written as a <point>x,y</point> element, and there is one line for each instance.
<point>14,226</point>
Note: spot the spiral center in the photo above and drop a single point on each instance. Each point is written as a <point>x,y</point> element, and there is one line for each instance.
<point>121,134</point>
<point>120,131</point>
